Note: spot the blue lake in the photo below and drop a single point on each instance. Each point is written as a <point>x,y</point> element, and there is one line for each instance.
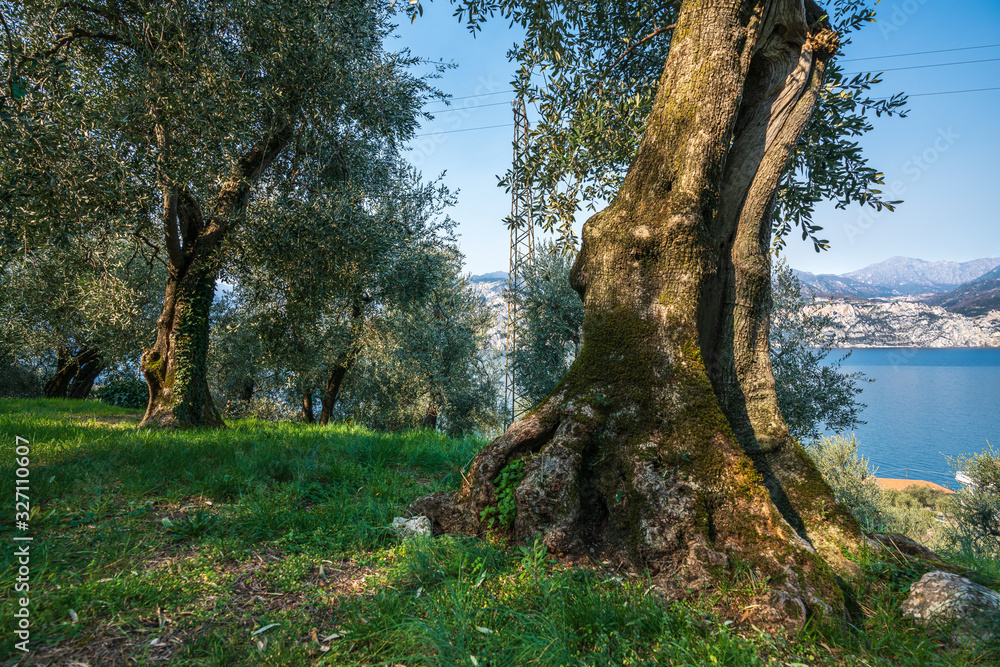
<point>925,404</point>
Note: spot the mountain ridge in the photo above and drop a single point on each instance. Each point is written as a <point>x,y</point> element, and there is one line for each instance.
<point>898,277</point>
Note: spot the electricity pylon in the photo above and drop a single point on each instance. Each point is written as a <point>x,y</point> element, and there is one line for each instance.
<point>522,255</point>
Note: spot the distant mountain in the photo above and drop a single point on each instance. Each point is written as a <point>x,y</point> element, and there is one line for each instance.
<point>898,277</point>
<point>831,285</point>
<point>496,276</point>
<point>906,324</point>
<point>974,298</point>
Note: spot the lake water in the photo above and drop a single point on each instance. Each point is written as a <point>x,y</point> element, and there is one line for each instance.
<point>924,404</point>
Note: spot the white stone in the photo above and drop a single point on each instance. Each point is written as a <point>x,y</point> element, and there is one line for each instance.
<point>415,526</point>
<point>944,596</point>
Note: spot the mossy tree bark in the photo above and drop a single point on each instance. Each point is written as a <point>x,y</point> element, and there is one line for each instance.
<point>176,367</point>
<point>663,446</point>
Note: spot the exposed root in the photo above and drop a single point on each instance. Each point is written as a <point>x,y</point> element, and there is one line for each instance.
<point>587,491</point>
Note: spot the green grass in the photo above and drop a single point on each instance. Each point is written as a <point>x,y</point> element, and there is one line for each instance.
<point>177,547</point>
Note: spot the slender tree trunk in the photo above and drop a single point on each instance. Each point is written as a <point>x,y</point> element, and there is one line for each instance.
<point>307,405</point>
<point>176,366</point>
<point>662,447</point>
<point>345,360</point>
<point>344,363</point>
<point>431,416</point>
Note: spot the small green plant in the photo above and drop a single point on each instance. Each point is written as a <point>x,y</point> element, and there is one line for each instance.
<point>198,524</point>
<point>533,558</point>
<point>502,515</point>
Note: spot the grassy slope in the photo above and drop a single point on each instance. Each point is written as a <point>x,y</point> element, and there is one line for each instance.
<point>287,524</point>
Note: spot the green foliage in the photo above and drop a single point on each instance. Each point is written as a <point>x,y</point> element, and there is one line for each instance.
<point>551,321</point>
<point>976,530</point>
<point>19,379</point>
<point>428,358</point>
<point>591,70</point>
<point>144,125</point>
<point>130,393</point>
<point>813,393</point>
<point>852,480</point>
<point>502,516</point>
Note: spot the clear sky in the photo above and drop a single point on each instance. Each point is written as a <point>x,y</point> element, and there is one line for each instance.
<point>942,159</point>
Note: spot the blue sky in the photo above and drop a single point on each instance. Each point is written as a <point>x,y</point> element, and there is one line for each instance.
<point>942,159</point>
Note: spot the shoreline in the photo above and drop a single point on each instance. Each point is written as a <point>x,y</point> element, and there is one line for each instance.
<point>900,484</point>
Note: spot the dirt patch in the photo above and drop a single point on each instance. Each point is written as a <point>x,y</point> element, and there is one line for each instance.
<point>249,585</point>
<point>109,645</point>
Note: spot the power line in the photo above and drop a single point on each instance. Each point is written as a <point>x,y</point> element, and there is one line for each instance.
<point>464,129</point>
<point>962,62</point>
<point>953,92</point>
<point>469,97</point>
<point>921,53</point>
<point>469,108</point>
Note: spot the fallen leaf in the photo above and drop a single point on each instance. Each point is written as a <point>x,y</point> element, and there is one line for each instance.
<point>265,628</point>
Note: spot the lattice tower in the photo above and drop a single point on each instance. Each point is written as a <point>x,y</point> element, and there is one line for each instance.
<point>522,255</point>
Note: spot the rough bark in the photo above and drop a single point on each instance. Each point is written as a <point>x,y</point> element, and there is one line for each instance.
<point>66,368</point>
<point>655,450</point>
<point>75,373</point>
<point>91,365</point>
<point>175,368</point>
<point>307,405</point>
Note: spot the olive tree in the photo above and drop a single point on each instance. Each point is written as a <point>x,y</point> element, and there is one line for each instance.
<point>663,447</point>
<point>204,102</point>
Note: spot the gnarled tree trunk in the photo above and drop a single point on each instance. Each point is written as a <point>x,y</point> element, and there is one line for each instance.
<point>176,367</point>
<point>75,372</point>
<point>663,447</point>
<point>91,365</point>
<point>66,367</point>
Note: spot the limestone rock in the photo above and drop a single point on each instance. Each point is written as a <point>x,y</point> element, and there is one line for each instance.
<point>946,597</point>
<point>413,527</point>
<point>906,324</point>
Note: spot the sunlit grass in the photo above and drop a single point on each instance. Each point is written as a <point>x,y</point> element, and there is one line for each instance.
<point>179,546</point>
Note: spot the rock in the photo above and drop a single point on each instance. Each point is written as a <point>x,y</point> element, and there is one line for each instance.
<point>445,513</point>
<point>898,543</point>
<point>906,324</point>
<point>413,527</point>
<point>942,596</point>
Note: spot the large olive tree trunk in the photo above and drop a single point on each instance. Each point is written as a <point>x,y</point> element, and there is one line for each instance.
<point>176,367</point>
<point>663,447</point>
